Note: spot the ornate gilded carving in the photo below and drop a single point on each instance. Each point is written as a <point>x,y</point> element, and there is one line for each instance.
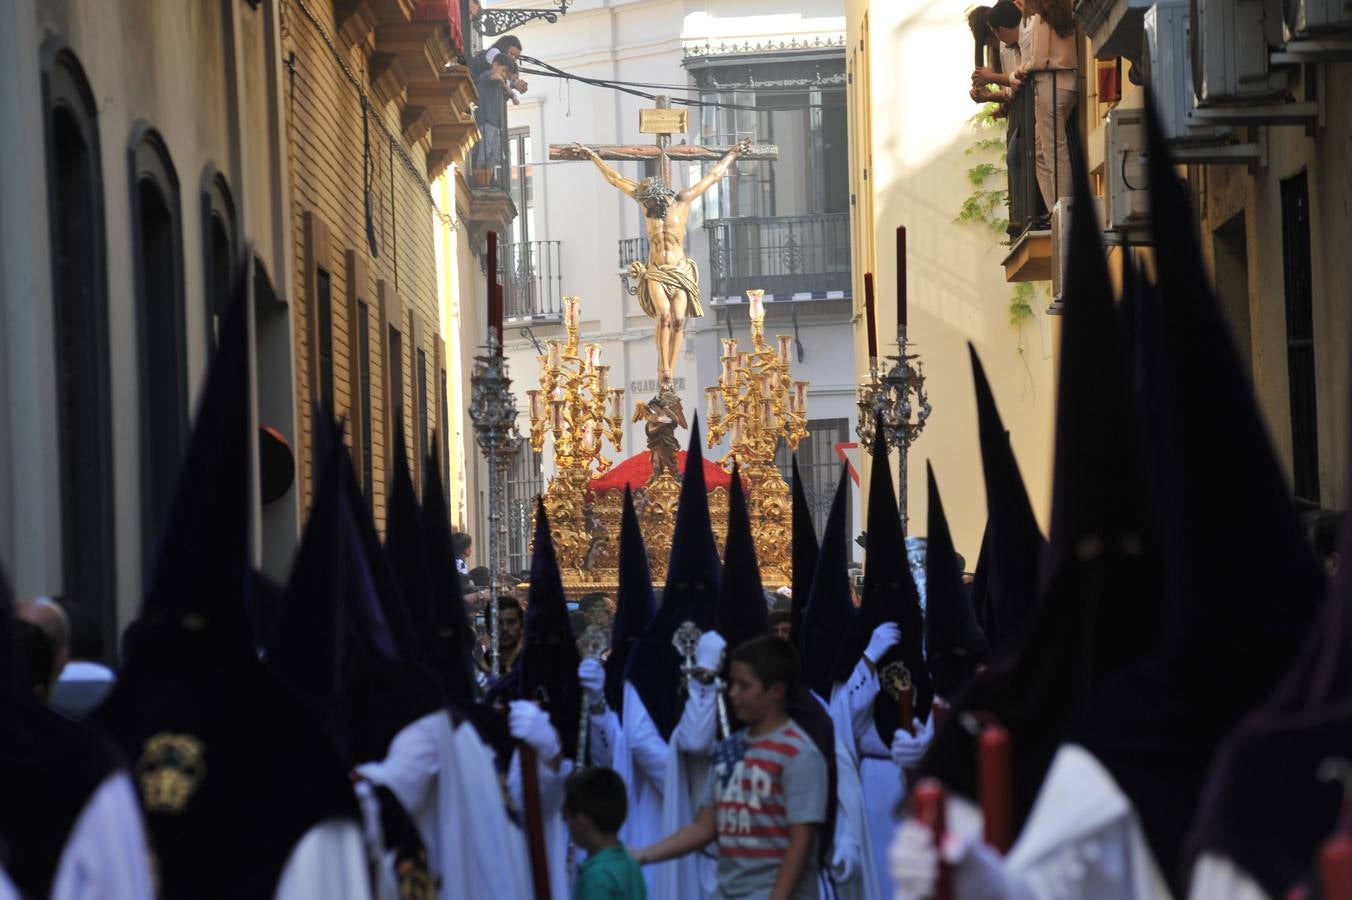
<point>756,403</point>
<point>577,407</point>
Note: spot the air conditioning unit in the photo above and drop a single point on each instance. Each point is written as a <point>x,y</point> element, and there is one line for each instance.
<point>1231,43</point>
<point>1312,18</point>
<point>1061,213</point>
<point>1167,62</point>
<point>1124,167</point>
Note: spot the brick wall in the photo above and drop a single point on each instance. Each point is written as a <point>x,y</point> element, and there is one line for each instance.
<point>326,161</point>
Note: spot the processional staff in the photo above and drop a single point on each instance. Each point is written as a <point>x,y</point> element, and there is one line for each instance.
<point>686,641</point>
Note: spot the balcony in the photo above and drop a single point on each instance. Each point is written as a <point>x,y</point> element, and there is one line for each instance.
<point>789,257</point>
<point>532,282</point>
<point>633,250</point>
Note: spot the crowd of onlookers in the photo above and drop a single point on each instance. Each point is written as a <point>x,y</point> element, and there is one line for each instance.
<point>1028,47</point>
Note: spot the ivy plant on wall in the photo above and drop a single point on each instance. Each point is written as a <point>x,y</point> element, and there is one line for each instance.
<point>988,203</point>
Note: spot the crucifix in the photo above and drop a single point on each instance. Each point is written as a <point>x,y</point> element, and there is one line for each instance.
<point>668,280</point>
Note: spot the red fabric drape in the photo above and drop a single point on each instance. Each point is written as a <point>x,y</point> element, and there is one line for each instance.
<point>637,469</point>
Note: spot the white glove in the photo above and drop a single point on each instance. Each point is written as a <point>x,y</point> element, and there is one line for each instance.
<point>913,860</point>
<point>530,723</point>
<point>885,637</point>
<point>592,676</point>
<point>709,651</point>
<point>907,749</point>
<point>844,860</point>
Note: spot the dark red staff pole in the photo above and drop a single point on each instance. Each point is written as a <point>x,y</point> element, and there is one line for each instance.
<point>906,709</point>
<point>535,822</point>
<point>870,316</point>
<point>927,806</point>
<point>901,276</point>
<point>492,264</point>
<point>995,762</point>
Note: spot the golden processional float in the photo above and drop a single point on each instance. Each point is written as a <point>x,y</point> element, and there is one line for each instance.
<point>755,404</point>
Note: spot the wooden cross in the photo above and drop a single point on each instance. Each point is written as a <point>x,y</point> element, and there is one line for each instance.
<point>663,122</point>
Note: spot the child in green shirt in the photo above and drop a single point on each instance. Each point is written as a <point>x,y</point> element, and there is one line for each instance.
<point>594,807</point>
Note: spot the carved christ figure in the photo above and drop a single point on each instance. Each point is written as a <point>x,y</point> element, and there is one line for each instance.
<point>668,285</point>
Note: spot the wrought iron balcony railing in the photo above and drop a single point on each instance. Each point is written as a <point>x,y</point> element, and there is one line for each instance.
<point>532,280</point>
<point>632,249</point>
<point>784,255</point>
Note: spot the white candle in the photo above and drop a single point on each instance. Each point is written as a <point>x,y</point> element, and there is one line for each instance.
<point>555,354</point>
<point>536,409</point>
<point>571,307</point>
<point>757,305</point>
<point>785,342</point>
<point>593,356</point>
<point>800,395</point>
<point>617,403</point>
<point>558,414</point>
<point>602,379</point>
<point>729,374</point>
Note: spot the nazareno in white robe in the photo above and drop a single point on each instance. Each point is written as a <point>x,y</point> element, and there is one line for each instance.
<point>689,758</point>
<point>445,778</point>
<point>1082,841</point>
<point>882,781</point>
<point>633,747</point>
<point>550,779</point>
<point>852,849</point>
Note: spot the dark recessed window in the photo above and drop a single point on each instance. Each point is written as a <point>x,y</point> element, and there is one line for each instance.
<point>394,409</point>
<point>324,338</point>
<point>423,445</point>
<point>158,254</point>
<point>364,376</point>
<point>218,247</point>
<point>80,318</point>
<point>1300,366</point>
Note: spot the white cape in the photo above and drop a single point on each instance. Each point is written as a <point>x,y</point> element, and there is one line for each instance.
<point>689,759</point>
<point>853,845</point>
<point>1218,878</point>
<point>106,856</point>
<point>445,777</point>
<point>329,861</point>
<point>1082,838</point>
<point>881,782</point>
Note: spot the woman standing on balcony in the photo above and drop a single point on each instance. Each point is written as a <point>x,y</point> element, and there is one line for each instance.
<point>1050,59</point>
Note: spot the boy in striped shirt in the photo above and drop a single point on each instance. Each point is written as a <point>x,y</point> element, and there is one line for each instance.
<point>767,793</point>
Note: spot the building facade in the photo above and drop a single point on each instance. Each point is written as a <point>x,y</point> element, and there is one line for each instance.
<point>771,72</point>
<point>1265,155</point>
<point>379,126</point>
<point>138,169</point>
<point>912,134</point>
<point>318,141</point>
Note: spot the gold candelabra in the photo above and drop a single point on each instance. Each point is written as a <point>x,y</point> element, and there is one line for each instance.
<point>755,404</point>
<point>756,401</point>
<point>576,405</point>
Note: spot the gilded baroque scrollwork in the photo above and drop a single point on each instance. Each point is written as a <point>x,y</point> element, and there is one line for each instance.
<point>756,403</point>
